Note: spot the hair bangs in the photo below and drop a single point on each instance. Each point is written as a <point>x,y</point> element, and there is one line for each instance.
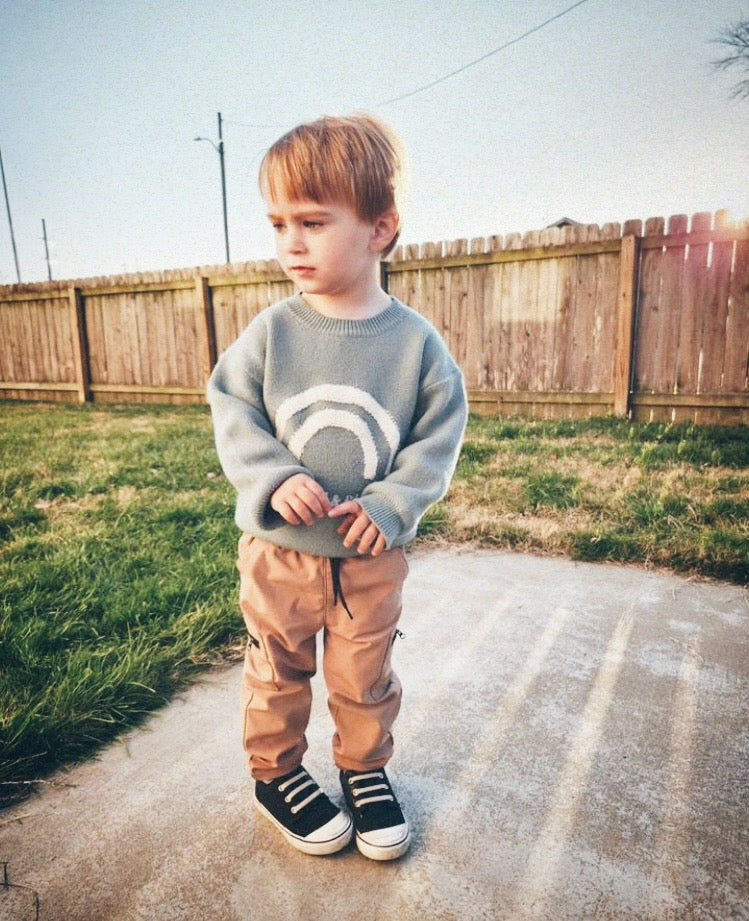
<point>354,161</point>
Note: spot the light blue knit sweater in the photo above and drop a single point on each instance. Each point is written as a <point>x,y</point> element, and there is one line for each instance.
<point>372,409</point>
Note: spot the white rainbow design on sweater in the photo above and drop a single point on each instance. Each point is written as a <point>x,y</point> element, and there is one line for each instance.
<point>328,415</point>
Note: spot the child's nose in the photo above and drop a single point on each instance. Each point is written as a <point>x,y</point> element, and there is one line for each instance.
<point>295,241</point>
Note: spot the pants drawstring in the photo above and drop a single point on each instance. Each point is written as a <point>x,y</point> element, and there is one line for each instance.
<point>335,572</point>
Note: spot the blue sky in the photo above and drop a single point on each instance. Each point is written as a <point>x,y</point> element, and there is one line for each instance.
<point>610,112</point>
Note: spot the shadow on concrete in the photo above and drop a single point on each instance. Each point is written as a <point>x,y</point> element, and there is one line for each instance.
<point>573,745</point>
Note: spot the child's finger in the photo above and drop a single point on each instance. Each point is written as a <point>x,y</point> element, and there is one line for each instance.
<point>349,508</point>
<point>313,499</point>
<point>346,524</point>
<point>368,538</point>
<point>380,545</point>
<point>299,506</point>
<point>356,531</point>
<point>316,497</point>
<point>288,514</point>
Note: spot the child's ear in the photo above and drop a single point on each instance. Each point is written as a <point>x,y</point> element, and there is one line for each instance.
<point>383,231</point>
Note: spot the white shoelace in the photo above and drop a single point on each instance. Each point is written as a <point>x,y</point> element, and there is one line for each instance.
<point>307,782</point>
<point>358,792</point>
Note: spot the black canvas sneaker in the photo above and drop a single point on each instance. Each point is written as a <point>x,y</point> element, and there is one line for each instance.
<point>303,813</point>
<point>382,832</point>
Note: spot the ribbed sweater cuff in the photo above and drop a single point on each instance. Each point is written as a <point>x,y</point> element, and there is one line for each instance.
<point>382,514</point>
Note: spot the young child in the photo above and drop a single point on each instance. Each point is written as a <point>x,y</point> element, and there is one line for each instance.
<point>338,416</point>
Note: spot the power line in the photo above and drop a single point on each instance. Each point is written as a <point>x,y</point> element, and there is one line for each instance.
<point>442,79</point>
<point>454,73</point>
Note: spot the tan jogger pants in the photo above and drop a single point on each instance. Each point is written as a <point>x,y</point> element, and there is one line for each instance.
<point>287,598</point>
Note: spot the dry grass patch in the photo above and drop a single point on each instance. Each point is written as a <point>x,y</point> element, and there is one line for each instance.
<point>675,496</point>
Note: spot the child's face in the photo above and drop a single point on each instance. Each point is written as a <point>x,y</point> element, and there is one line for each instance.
<point>325,248</point>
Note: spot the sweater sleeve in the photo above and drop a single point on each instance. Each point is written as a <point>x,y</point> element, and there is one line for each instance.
<point>254,460</point>
<point>424,466</point>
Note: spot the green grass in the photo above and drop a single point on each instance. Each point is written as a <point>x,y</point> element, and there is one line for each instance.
<point>117,545</point>
<point>675,496</point>
<point>117,571</point>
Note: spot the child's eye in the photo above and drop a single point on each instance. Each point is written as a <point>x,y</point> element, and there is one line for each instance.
<point>312,224</point>
<point>277,226</point>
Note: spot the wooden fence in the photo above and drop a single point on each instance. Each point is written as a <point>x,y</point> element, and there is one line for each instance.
<point>648,322</point>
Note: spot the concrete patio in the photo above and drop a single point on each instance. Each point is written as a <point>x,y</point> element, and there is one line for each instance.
<point>573,745</point>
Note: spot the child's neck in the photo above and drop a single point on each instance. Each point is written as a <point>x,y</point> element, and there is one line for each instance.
<point>348,306</point>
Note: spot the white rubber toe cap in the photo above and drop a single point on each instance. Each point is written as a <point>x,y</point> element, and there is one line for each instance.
<point>384,843</point>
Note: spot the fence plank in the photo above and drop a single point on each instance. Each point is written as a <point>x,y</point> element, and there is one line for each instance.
<point>208,326</point>
<point>564,358</point>
<point>432,289</point>
<point>512,317</point>
<point>492,317</point>
<point>672,285</point>
<point>472,322</point>
<point>584,322</point>
<point>716,318</point>
<point>625,315</point>
<point>80,347</point>
<point>736,368</point>
<point>689,353</point>
<point>647,318</point>
<point>548,277</point>
<point>455,307</point>
<point>528,323</point>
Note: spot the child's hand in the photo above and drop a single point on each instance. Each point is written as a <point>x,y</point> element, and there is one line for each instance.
<point>300,499</point>
<point>358,526</point>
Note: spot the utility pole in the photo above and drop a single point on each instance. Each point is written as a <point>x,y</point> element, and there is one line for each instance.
<point>10,219</point>
<point>46,250</point>
<point>220,151</point>
<point>223,186</point>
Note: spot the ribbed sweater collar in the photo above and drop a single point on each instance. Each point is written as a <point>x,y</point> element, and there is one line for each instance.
<point>372,326</point>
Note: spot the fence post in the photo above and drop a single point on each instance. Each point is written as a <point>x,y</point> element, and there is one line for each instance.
<point>209,331</point>
<point>384,276</point>
<point>80,344</point>
<point>629,262</point>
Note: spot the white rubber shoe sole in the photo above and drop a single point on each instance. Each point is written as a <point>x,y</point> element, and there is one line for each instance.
<point>330,838</point>
<point>385,844</point>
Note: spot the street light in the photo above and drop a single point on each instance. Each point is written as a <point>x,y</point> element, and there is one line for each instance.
<point>220,151</point>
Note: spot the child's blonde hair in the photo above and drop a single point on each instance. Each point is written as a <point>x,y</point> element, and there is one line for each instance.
<point>356,160</point>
